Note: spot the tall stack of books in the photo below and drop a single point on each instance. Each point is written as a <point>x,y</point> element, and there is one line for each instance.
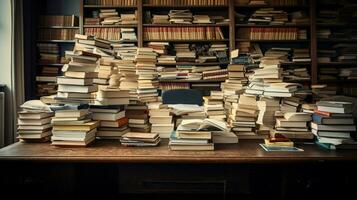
<point>113,123</point>
<point>129,79</point>
<point>77,82</point>
<point>34,122</point>
<point>214,106</point>
<point>243,118</point>
<point>72,126</point>
<point>138,116</point>
<point>293,125</point>
<point>267,108</point>
<point>333,124</point>
<point>161,122</point>
<point>125,51</point>
<point>128,34</point>
<point>147,75</point>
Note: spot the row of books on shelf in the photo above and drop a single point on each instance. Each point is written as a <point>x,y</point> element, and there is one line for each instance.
<point>58,20</point>
<point>112,34</point>
<point>336,73</point>
<point>344,34</point>
<point>57,34</point>
<point>111,17</point>
<point>186,2</point>
<point>272,34</point>
<point>183,33</point>
<point>111,2</point>
<point>336,14</point>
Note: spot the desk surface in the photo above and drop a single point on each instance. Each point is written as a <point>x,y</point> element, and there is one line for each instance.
<point>112,151</point>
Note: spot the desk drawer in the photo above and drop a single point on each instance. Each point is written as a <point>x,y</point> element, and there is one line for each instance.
<point>195,179</point>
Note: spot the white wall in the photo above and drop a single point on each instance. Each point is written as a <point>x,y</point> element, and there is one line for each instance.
<point>6,63</point>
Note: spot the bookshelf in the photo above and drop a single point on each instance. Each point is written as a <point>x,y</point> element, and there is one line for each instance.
<point>231,29</point>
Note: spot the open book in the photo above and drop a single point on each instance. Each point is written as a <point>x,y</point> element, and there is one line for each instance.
<point>202,125</point>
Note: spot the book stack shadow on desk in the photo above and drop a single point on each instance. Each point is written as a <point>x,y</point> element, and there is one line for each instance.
<point>293,125</point>
<point>334,126</point>
<point>195,135</point>
<point>34,122</point>
<point>73,126</point>
<point>135,139</point>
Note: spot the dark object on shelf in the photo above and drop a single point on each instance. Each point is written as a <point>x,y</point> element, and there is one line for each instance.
<point>182,97</point>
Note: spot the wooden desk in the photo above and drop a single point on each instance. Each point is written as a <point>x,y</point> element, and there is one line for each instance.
<point>113,152</point>
<point>239,171</point>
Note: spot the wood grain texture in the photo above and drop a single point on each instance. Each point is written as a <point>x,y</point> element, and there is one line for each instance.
<point>113,152</point>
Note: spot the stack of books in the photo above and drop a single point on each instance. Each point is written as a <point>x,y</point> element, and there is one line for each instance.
<point>269,16</point>
<point>129,18</point>
<point>129,79</point>
<point>128,34</point>
<point>267,108</point>
<point>301,55</point>
<point>321,91</point>
<point>160,19</point>
<point>147,75</point>
<point>73,126</point>
<point>333,124</point>
<point>202,19</point>
<point>281,89</point>
<point>109,17</point>
<point>49,53</point>
<point>296,74</point>
<point>34,122</point>
<point>233,86</point>
<point>180,16</point>
<point>112,96</point>
<point>214,107</point>
<point>160,48</point>
<point>136,139</point>
<point>243,118</point>
<point>278,142</point>
<point>125,51</point>
<point>161,122</point>
<point>106,69</point>
<point>290,104</point>
<point>113,123</point>
<point>293,125</point>
<point>138,118</point>
<point>220,74</point>
<point>77,82</point>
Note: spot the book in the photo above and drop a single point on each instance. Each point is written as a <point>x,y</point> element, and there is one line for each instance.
<point>320,127</point>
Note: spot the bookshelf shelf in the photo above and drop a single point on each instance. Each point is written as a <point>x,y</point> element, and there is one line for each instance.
<point>56,41</point>
<point>273,26</point>
<point>338,63</point>
<point>109,6</point>
<point>192,63</point>
<point>192,81</point>
<point>185,6</point>
<point>272,6</point>
<point>336,40</point>
<point>186,41</point>
<point>59,27</point>
<point>186,25</point>
<point>271,41</point>
<point>111,26</point>
<point>50,64</point>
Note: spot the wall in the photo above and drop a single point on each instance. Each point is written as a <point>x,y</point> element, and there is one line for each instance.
<point>6,63</point>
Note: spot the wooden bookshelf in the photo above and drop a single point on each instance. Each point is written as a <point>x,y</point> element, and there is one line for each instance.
<point>230,29</point>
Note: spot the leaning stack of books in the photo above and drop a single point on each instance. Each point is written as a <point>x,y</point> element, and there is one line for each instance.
<point>214,106</point>
<point>77,82</point>
<point>34,122</point>
<point>161,122</point>
<point>333,125</point>
<point>138,118</point>
<point>293,125</point>
<point>147,75</point>
<point>73,126</point>
<point>180,16</point>
<point>109,17</point>
<point>136,139</point>
<point>125,51</point>
<point>113,123</point>
<point>106,69</point>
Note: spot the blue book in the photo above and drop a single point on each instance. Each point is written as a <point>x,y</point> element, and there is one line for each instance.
<point>280,149</point>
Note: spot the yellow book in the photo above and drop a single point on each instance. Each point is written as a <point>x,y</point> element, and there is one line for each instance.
<point>278,144</point>
<point>82,127</point>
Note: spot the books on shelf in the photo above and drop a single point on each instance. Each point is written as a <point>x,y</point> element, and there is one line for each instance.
<point>272,34</point>
<point>58,20</point>
<point>111,2</point>
<point>294,126</point>
<point>57,34</point>
<point>183,33</point>
<point>186,2</point>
